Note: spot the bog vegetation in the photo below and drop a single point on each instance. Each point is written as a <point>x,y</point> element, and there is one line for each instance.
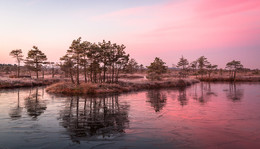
<point>105,62</point>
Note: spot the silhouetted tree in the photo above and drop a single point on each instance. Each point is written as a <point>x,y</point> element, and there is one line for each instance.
<point>132,66</point>
<point>105,53</point>
<point>67,66</point>
<point>44,67</point>
<point>234,66</point>
<point>183,63</point>
<point>52,68</point>
<point>17,54</point>
<point>95,59</point>
<point>221,71</point>
<point>35,59</point>
<point>86,46</point>
<point>141,68</point>
<point>211,68</point>
<point>194,66</point>
<point>156,68</point>
<point>202,63</point>
<point>76,52</point>
<point>121,60</point>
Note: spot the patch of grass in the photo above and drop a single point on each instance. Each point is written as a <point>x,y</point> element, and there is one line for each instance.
<point>24,82</point>
<point>228,79</point>
<point>104,88</point>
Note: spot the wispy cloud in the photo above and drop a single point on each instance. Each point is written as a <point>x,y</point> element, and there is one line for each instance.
<point>149,29</point>
<point>188,25</point>
<point>33,2</point>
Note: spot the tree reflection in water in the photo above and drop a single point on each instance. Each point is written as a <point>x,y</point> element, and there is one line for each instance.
<point>234,93</point>
<point>94,118</point>
<point>205,92</point>
<point>157,99</point>
<point>195,92</point>
<point>34,105</point>
<point>16,112</point>
<point>182,97</point>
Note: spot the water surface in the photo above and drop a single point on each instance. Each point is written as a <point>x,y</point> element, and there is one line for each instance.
<point>204,115</point>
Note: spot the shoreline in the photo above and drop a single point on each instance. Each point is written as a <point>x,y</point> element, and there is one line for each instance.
<point>228,79</point>
<point>66,88</point>
<point>137,82</point>
<point>10,83</point>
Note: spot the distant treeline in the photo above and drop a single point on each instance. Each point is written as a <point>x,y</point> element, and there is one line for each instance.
<point>7,68</point>
<point>102,62</point>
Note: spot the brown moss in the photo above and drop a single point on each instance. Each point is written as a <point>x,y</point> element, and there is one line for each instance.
<point>72,89</point>
<point>104,88</point>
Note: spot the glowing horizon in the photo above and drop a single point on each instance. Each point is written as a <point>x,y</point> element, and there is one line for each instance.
<point>219,30</point>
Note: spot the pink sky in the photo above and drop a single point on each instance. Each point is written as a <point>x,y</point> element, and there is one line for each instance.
<point>220,30</point>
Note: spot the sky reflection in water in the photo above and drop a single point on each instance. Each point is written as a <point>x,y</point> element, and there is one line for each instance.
<point>201,116</point>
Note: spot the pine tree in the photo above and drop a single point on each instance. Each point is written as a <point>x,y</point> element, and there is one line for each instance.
<point>156,68</point>
<point>183,63</point>
<point>132,66</point>
<point>76,52</point>
<point>67,66</point>
<point>35,59</point>
<point>202,63</point>
<point>17,54</point>
<point>211,68</point>
<point>234,66</point>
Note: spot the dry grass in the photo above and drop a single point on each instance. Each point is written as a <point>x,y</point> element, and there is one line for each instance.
<point>6,82</point>
<point>228,79</point>
<point>104,88</point>
<point>132,76</point>
<point>71,89</point>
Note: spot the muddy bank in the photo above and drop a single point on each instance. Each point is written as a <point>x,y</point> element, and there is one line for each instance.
<point>68,88</point>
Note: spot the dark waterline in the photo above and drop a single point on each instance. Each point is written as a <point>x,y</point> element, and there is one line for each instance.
<point>204,115</point>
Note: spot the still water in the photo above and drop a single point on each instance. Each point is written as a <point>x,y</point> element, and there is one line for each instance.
<point>204,115</point>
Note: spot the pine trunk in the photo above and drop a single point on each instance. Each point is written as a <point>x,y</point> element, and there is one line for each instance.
<point>71,77</point>
<point>18,70</point>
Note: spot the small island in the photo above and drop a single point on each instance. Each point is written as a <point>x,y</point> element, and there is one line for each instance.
<point>104,67</point>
